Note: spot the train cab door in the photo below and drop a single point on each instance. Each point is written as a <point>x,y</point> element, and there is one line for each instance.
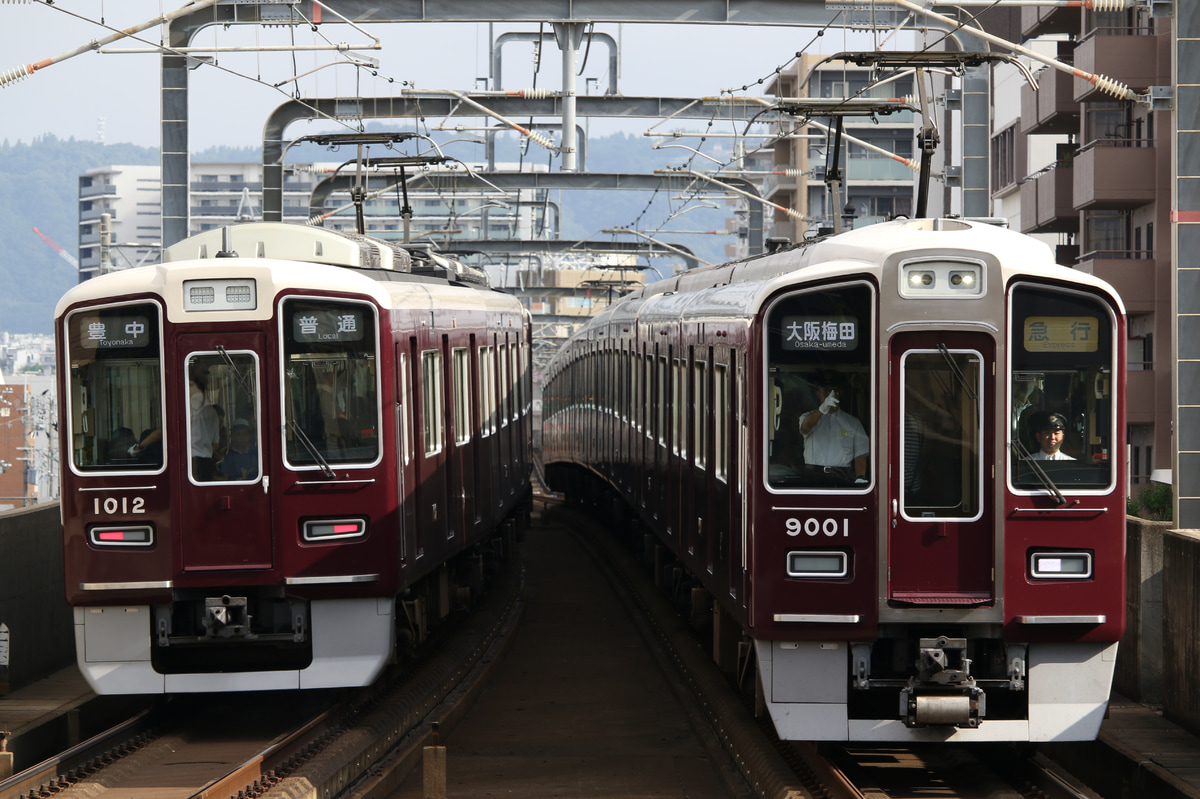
<point>941,533</point>
<point>225,511</point>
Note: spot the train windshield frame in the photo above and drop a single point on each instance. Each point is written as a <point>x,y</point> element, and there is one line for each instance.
<point>1062,413</point>
<point>819,348</point>
<point>331,383</point>
<point>115,387</point>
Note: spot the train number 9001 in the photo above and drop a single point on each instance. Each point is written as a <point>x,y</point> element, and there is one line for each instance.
<point>814,527</point>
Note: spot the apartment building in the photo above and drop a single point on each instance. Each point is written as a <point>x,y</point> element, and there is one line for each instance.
<point>1104,189</point>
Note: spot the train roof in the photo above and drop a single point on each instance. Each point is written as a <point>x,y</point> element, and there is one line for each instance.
<point>424,280</point>
<point>284,241</point>
<point>732,289</point>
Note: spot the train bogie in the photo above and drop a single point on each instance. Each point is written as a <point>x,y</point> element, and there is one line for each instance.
<point>263,453</point>
<point>894,457</point>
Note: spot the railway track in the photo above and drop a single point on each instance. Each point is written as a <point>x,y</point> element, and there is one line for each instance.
<point>774,768</point>
<point>362,744</point>
<point>293,744</point>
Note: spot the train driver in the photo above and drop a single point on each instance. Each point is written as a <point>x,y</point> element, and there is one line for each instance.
<point>1049,430</point>
<point>835,443</point>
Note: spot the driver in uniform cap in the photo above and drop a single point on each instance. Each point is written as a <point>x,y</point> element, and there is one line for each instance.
<point>1049,429</point>
<point>835,442</point>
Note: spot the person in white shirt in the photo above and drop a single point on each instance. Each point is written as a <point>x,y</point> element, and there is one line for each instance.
<point>206,433</point>
<point>1049,429</point>
<point>835,442</point>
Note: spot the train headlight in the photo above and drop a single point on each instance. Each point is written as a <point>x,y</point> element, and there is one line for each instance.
<point>927,277</point>
<point>318,530</point>
<point>220,295</point>
<point>819,563</point>
<point>139,535</point>
<point>920,279</point>
<point>1060,565</point>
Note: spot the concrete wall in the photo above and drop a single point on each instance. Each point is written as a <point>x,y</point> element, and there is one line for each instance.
<point>1181,628</point>
<point>1140,657</point>
<point>32,605</point>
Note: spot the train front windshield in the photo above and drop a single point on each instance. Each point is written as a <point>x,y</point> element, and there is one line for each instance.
<point>115,388</point>
<point>1061,391</point>
<point>331,395</point>
<point>819,392</point>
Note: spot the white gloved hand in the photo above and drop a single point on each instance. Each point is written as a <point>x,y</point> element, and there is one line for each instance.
<point>830,404</point>
<point>135,449</point>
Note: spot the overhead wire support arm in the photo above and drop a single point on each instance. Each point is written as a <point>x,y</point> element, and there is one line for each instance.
<point>791,212</point>
<point>24,71</point>
<point>1105,84</point>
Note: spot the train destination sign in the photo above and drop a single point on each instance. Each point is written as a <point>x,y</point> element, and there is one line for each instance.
<point>1061,334</point>
<point>820,333</point>
<point>340,324</point>
<point>114,332</point>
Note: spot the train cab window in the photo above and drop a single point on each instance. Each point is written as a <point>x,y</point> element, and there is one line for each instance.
<point>222,421</point>
<point>331,385</point>
<point>818,422</point>
<point>941,429</point>
<point>116,390</point>
<point>1062,420</point>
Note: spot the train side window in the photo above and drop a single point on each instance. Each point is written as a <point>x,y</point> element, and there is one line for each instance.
<point>115,388</point>
<point>331,386</point>
<point>432,410</point>
<point>515,393</point>
<point>487,392</point>
<point>502,356</point>
<point>404,397</point>
<point>1061,410</point>
<point>462,395</point>
<point>720,405</point>
<point>819,391</point>
<point>700,413</point>
<point>660,424</point>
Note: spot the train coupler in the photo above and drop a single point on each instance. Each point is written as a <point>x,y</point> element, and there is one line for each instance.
<point>963,708</point>
<point>227,617</point>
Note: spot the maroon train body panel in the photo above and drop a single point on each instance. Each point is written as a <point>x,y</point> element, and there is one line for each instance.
<point>275,468</point>
<point>894,457</point>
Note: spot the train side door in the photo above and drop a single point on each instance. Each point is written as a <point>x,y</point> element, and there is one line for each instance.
<point>941,533</point>
<point>225,511</point>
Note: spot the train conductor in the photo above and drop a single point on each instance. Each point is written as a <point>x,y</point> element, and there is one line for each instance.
<point>835,443</point>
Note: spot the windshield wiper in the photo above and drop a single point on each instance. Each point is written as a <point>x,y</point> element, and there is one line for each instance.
<point>326,469</point>
<point>243,384</point>
<point>1039,472</point>
<point>957,371</point>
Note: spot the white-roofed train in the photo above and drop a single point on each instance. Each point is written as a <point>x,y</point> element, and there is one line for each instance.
<point>894,458</point>
<point>284,450</point>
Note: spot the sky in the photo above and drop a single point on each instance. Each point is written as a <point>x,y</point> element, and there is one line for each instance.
<point>116,96</point>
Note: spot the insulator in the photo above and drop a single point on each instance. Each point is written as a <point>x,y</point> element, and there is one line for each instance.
<point>1115,88</point>
<point>1109,5</point>
<point>792,172</point>
<point>537,94</point>
<point>542,140</point>
<point>316,221</point>
<point>14,75</point>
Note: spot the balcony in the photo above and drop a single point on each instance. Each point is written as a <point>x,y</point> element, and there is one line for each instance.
<point>1055,206</point>
<point>1125,55</point>
<point>1115,174</point>
<point>1038,21</point>
<point>1134,274</point>
<point>1052,108</point>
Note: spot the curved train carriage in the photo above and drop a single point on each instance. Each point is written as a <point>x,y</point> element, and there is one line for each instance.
<point>894,456</point>
<point>284,450</point>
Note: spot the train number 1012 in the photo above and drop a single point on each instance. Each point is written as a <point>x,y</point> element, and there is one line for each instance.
<point>112,505</point>
<point>814,527</point>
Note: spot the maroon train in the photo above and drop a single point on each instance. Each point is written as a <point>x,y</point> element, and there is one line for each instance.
<point>285,449</point>
<point>926,571</point>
